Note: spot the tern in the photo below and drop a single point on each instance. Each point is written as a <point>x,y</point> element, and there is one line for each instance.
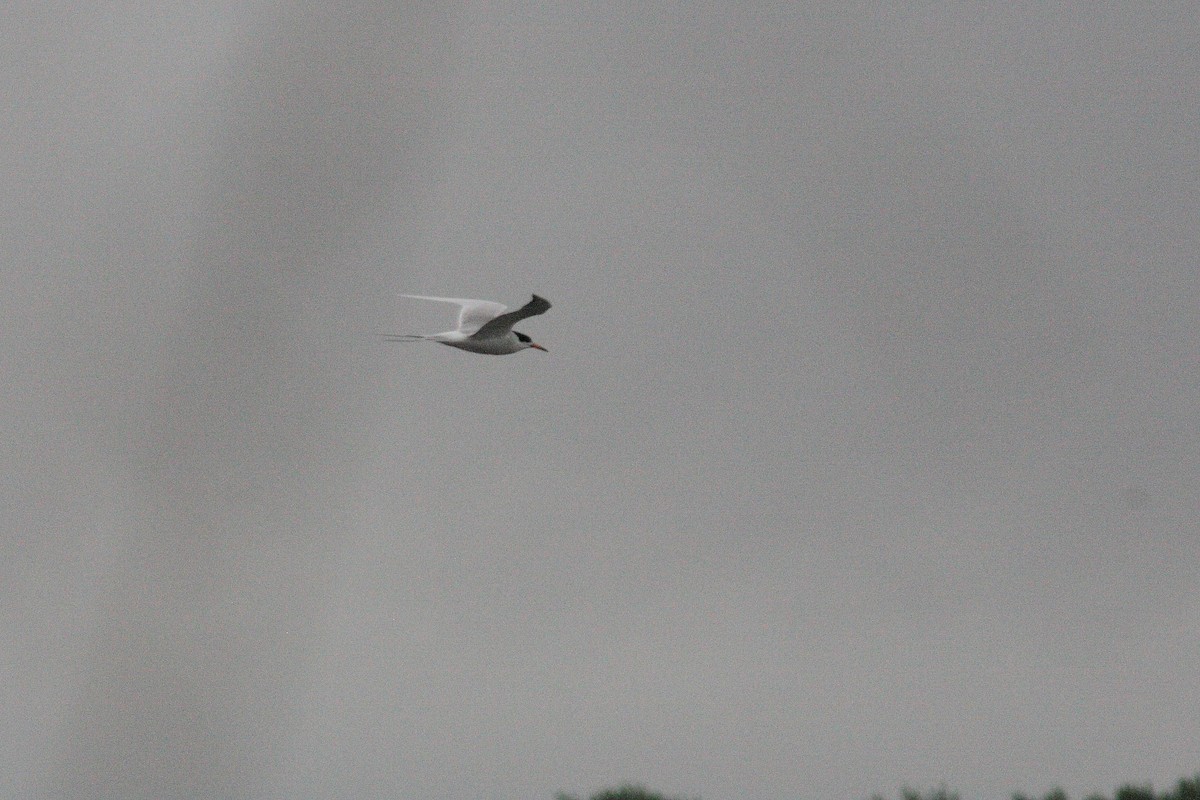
<point>483,327</point>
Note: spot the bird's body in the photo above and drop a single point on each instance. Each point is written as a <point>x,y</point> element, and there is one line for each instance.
<point>483,326</point>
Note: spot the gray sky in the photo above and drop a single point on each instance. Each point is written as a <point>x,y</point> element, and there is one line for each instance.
<point>865,453</point>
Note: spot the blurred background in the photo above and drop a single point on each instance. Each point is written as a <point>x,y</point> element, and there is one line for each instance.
<point>865,453</point>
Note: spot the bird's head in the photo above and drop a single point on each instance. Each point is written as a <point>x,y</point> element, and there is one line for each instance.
<point>525,340</point>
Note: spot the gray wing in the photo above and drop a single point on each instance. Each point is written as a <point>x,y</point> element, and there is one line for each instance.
<point>474,313</point>
<point>502,324</point>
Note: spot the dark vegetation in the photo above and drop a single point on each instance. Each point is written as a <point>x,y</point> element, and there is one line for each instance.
<point>626,792</point>
<point>1186,789</point>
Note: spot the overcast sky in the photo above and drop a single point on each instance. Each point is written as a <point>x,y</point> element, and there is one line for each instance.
<point>865,453</point>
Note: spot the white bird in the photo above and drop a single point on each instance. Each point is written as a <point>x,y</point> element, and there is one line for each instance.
<point>483,327</point>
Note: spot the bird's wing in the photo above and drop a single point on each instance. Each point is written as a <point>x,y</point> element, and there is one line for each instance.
<point>474,313</point>
<point>502,324</point>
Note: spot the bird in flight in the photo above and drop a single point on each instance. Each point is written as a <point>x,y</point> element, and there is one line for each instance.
<point>483,326</point>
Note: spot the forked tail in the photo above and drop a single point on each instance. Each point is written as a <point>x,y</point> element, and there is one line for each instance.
<point>403,337</point>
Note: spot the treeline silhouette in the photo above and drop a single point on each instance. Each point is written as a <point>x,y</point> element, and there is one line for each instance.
<point>1186,789</point>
